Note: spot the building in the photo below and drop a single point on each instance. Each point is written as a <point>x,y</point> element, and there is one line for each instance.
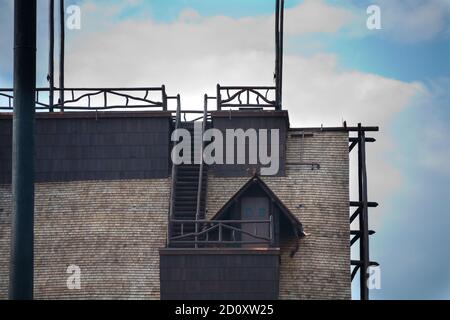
<point>103,197</point>
<point>112,204</point>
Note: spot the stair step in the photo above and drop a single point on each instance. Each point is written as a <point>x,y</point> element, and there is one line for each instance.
<point>184,183</point>
<point>186,207</point>
<point>188,214</point>
<point>185,196</point>
<point>189,188</point>
<point>185,192</point>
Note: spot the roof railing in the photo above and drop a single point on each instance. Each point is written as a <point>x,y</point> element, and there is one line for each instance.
<point>97,99</point>
<point>247,97</point>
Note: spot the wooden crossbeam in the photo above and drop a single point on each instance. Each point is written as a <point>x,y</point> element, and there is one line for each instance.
<point>360,203</point>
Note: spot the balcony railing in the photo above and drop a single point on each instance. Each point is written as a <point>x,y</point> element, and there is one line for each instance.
<point>220,233</point>
<point>85,99</point>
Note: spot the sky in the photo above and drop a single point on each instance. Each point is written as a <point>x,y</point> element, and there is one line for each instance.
<point>335,69</point>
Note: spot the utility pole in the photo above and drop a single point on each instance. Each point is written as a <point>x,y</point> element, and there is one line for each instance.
<point>21,262</point>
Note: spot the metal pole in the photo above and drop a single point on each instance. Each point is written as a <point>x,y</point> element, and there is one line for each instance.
<point>277,52</point>
<point>280,58</point>
<point>51,65</point>
<point>61,54</point>
<point>363,216</point>
<point>21,262</point>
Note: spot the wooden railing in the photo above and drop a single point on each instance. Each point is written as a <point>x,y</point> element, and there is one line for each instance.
<point>85,99</point>
<point>174,171</point>
<point>221,233</point>
<point>262,97</point>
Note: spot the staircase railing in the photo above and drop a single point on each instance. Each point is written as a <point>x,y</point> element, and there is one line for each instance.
<point>200,173</point>
<point>174,176</point>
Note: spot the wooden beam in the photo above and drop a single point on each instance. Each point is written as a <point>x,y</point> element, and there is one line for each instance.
<point>363,216</point>
<point>354,239</point>
<point>360,263</point>
<point>354,271</point>
<point>359,204</point>
<point>358,232</point>
<point>355,214</point>
<point>354,139</point>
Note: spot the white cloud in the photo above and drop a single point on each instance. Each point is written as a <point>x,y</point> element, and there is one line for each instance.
<point>433,151</point>
<point>316,90</point>
<point>194,53</point>
<point>435,154</point>
<point>411,21</point>
<point>316,16</point>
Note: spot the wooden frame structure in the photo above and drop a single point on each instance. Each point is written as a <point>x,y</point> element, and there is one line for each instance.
<point>362,205</point>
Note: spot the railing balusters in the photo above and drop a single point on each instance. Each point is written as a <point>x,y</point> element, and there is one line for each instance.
<point>253,97</point>
<point>164,97</point>
<point>82,98</point>
<point>271,237</point>
<point>195,238</point>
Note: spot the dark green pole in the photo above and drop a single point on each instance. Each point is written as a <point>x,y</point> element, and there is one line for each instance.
<point>21,263</point>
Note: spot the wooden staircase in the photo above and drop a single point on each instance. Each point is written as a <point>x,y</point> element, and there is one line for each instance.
<point>185,192</point>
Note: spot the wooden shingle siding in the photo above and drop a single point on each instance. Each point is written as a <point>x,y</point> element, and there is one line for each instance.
<point>76,149</point>
<point>112,230</point>
<point>319,198</point>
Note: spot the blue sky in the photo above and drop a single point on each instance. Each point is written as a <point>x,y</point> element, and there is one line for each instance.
<point>397,78</point>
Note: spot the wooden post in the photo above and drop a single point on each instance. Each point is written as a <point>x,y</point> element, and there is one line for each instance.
<point>219,98</point>
<point>363,215</point>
